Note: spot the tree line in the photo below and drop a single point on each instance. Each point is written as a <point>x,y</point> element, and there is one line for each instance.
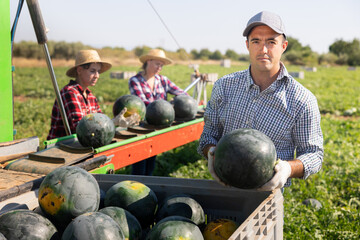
<point>340,52</point>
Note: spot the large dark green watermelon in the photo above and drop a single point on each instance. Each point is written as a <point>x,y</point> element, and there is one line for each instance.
<point>68,192</point>
<point>95,130</point>
<point>26,224</point>
<point>128,223</point>
<point>135,197</point>
<point>133,103</point>
<point>175,227</point>
<point>181,205</point>
<point>245,158</point>
<point>93,226</point>
<point>185,107</point>
<point>160,113</point>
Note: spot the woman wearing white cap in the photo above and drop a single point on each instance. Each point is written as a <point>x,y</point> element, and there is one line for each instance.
<point>149,85</point>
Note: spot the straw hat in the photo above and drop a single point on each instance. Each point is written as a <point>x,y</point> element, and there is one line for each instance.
<point>156,54</point>
<point>87,56</point>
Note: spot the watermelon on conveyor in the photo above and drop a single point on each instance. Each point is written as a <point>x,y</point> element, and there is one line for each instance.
<point>95,130</point>
<point>160,113</point>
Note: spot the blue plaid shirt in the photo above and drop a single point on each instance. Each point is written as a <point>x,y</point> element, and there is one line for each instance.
<point>286,112</point>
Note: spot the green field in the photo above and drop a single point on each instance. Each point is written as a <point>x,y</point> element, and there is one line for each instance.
<point>336,186</point>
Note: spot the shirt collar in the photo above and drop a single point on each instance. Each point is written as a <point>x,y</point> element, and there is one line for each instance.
<point>282,77</point>
<point>141,77</point>
<point>79,87</point>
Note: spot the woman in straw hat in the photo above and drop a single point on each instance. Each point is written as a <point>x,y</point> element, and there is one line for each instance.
<point>149,85</point>
<point>77,98</point>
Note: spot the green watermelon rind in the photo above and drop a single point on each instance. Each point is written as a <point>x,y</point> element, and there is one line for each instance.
<point>160,113</point>
<point>175,229</point>
<point>181,205</point>
<point>78,188</point>
<point>185,107</point>
<point>241,144</point>
<point>95,130</point>
<point>132,103</point>
<point>128,223</point>
<point>93,225</point>
<point>142,203</point>
<point>21,224</point>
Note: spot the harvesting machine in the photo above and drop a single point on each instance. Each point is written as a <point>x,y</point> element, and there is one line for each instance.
<point>21,161</point>
<point>23,166</point>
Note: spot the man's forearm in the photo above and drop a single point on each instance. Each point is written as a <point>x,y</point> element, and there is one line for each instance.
<point>297,168</point>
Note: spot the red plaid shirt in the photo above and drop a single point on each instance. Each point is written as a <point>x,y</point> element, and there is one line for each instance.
<point>76,107</point>
<point>139,87</point>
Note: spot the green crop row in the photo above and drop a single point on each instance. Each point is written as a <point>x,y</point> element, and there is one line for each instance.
<point>336,88</point>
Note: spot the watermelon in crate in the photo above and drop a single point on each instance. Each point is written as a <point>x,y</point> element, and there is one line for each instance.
<point>135,197</point>
<point>128,223</point>
<point>175,227</point>
<point>93,226</point>
<point>181,205</point>
<point>68,192</point>
<point>26,224</point>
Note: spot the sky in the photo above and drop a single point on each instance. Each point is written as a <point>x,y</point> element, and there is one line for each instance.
<point>191,24</point>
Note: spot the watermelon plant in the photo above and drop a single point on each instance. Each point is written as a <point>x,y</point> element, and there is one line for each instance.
<point>133,104</point>
<point>26,224</point>
<point>95,130</point>
<point>68,192</point>
<point>160,113</point>
<point>245,158</point>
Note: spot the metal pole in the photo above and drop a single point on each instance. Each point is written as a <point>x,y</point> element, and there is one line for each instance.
<point>192,84</point>
<point>39,28</point>
<point>57,91</point>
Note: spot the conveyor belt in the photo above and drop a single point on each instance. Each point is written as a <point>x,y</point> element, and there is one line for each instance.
<point>45,161</point>
<point>128,146</point>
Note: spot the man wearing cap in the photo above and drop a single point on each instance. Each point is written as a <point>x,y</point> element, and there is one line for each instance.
<point>265,97</point>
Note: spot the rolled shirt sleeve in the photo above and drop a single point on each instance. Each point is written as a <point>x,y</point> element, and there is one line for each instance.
<point>308,138</point>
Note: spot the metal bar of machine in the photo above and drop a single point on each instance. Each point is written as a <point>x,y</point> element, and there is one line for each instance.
<point>40,31</point>
<point>128,151</point>
<point>124,154</point>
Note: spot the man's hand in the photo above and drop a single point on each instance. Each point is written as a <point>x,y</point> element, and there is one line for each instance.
<point>211,158</point>
<point>282,173</point>
<point>125,122</point>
